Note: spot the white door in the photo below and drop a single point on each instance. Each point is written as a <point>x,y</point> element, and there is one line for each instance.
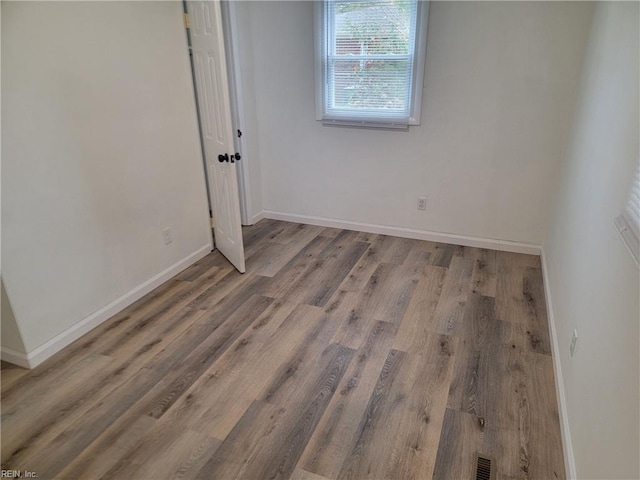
<point>210,70</point>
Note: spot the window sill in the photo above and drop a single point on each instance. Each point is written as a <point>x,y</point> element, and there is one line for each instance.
<point>365,124</point>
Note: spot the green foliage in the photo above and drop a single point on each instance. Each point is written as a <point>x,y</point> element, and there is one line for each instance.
<point>381,27</point>
<point>375,85</point>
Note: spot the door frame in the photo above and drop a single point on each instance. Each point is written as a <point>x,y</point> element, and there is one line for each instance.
<point>234,73</point>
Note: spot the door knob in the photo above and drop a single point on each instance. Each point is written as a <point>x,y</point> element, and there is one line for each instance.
<point>223,158</point>
<point>235,156</point>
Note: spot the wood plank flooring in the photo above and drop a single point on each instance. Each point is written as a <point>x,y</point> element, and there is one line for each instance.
<point>338,355</point>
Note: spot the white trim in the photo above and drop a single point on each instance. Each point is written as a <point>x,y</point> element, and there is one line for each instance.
<point>15,357</point>
<point>466,240</point>
<point>569,459</point>
<point>624,226</point>
<point>57,343</point>
<point>236,100</point>
<point>317,56</point>
<point>258,216</point>
<point>418,72</point>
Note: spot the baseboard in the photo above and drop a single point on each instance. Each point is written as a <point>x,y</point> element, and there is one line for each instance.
<point>468,241</point>
<point>57,343</point>
<point>257,217</point>
<point>569,459</point>
<point>16,358</point>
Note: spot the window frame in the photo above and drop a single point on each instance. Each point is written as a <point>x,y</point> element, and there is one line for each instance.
<point>372,121</point>
<point>628,222</point>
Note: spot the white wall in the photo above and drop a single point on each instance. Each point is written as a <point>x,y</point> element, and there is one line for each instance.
<point>499,91</point>
<point>100,153</point>
<point>593,281</point>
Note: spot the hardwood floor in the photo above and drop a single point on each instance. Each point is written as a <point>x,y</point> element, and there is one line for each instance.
<point>337,355</point>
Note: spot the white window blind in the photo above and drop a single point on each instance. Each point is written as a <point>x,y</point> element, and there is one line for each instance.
<point>371,61</point>
<point>628,223</point>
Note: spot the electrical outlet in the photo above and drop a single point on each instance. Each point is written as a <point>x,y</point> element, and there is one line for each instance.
<point>574,339</point>
<point>422,203</point>
<point>166,234</point>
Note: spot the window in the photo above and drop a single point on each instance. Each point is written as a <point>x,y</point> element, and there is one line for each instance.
<point>628,222</point>
<point>370,62</point>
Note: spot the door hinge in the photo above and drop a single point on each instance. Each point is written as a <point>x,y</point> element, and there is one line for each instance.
<point>185,18</point>
<point>239,133</point>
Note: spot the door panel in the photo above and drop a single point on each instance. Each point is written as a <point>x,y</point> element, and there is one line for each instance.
<point>209,63</point>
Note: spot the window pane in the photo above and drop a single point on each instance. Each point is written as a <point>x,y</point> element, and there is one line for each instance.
<point>373,27</point>
<point>370,85</point>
